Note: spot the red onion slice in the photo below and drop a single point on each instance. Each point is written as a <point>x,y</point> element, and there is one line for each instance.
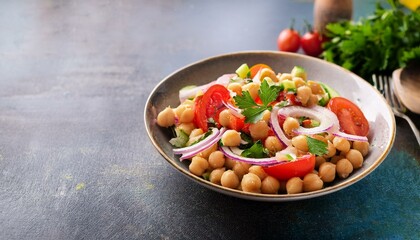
<point>207,144</point>
<point>350,137</point>
<point>318,113</point>
<point>276,127</point>
<point>255,161</point>
<point>235,111</point>
<point>225,79</point>
<point>184,94</point>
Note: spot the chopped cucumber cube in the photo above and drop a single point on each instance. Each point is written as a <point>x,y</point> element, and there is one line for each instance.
<point>243,71</point>
<point>288,85</point>
<point>298,71</point>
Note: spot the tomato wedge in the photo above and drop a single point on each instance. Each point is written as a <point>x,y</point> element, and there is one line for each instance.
<point>257,67</point>
<point>351,118</point>
<point>207,106</point>
<point>298,168</point>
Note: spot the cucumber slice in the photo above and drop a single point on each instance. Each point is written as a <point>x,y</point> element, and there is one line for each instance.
<point>330,91</point>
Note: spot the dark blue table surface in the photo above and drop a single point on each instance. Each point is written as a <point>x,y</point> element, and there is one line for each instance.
<point>75,159</point>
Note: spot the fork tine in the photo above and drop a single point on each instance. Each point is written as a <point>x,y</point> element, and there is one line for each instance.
<point>386,91</point>
<point>396,101</point>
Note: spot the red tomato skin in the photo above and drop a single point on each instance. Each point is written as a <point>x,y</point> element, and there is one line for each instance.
<point>311,43</point>
<point>351,118</point>
<point>207,106</point>
<point>298,168</point>
<point>288,40</point>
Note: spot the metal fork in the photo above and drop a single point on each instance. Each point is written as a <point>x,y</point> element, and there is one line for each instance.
<point>385,85</point>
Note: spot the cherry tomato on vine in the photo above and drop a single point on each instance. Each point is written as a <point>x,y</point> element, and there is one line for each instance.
<point>312,43</point>
<point>207,106</point>
<point>288,40</point>
<point>298,168</point>
<point>351,118</point>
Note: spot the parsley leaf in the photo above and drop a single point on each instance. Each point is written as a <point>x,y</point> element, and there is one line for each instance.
<point>257,150</point>
<point>252,110</point>
<point>316,146</point>
<point>268,93</point>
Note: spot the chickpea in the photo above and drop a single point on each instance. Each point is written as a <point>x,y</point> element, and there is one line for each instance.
<point>313,100</point>
<point>327,172</point>
<point>303,94</point>
<point>266,72</point>
<point>259,171</point>
<point>196,132</point>
<point>229,163</point>
<point>341,144</point>
<point>241,168</point>
<point>198,165</point>
<point>362,147</point>
<point>294,185</point>
<point>252,88</point>
<point>251,183</point>
<point>206,153</point>
<point>273,144</point>
<point>166,118</point>
<point>355,157</point>
<point>224,117</point>
<point>289,125</point>
<point>331,150</point>
<point>187,127</point>
<point>216,159</point>
<point>216,175</point>
<point>231,138</point>
<point>235,87</point>
<point>312,182</point>
<point>286,76</point>
<point>229,179</point>
<point>259,130</point>
<point>320,138</point>
<point>336,158</point>
<point>266,116</point>
<point>329,137</point>
<point>194,135</point>
<point>315,87</point>
<point>319,160</point>
<point>298,81</point>
<point>179,110</point>
<point>300,143</point>
<point>270,185</point>
<point>187,115</point>
<point>344,168</point>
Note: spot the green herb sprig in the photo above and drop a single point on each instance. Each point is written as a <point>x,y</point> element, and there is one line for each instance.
<point>252,110</point>
<point>379,44</point>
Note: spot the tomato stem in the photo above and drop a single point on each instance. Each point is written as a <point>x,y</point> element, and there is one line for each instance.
<point>308,26</point>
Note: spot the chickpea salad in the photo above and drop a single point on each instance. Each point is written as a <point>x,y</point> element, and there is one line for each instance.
<point>259,131</point>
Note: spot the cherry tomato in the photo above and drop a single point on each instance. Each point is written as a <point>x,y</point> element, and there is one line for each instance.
<point>288,40</point>
<point>351,118</point>
<point>237,123</point>
<point>254,69</point>
<point>298,168</point>
<point>207,106</point>
<point>312,43</point>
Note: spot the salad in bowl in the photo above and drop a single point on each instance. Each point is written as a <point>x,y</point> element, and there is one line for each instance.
<point>261,131</point>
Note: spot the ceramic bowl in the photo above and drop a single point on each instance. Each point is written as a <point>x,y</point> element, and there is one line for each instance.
<point>347,84</point>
